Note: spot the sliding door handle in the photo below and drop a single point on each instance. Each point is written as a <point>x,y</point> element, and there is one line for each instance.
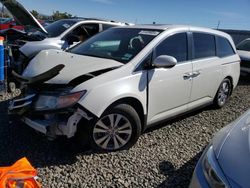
<point>196,73</point>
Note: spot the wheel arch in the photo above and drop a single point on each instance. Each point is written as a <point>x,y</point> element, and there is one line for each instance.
<point>133,102</point>
<point>232,83</point>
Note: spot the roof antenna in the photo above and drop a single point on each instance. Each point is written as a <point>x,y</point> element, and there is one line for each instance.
<point>154,23</point>
<point>218,24</point>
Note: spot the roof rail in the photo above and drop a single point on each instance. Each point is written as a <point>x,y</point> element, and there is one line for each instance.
<point>99,19</point>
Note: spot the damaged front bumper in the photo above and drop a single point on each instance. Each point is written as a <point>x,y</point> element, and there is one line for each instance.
<point>51,123</point>
<point>49,109</point>
<point>59,124</point>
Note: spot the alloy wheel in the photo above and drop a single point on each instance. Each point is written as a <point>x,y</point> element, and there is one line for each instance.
<point>112,132</point>
<point>223,93</point>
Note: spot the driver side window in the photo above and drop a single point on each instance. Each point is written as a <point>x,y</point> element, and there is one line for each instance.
<point>175,45</point>
<point>89,30</point>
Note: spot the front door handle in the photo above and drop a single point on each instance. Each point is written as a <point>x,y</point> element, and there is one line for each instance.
<point>187,76</point>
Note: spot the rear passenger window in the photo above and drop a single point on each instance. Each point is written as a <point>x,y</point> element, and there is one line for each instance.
<point>106,26</point>
<point>204,45</point>
<point>175,46</point>
<point>224,48</point>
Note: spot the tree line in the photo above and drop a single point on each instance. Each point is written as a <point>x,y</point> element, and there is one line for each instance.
<point>57,15</point>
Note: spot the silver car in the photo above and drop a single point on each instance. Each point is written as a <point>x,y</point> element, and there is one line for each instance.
<point>225,162</point>
<point>55,35</point>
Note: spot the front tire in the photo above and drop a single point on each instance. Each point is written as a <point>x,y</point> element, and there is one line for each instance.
<point>223,93</point>
<point>117,129</point>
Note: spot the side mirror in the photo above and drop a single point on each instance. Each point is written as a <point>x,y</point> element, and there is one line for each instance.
<point>165,61</point>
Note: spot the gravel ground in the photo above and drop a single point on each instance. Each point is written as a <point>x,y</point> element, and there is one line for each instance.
<point>163,157</point>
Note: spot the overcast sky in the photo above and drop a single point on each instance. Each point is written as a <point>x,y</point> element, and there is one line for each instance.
<point>232,14</point>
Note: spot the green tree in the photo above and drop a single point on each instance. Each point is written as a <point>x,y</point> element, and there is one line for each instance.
<point>34,13</point>
<point>61,15</point>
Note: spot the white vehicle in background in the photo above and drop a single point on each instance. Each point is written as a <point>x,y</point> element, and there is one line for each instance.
<point>243,49</point>
<point>66,30</point>
<point>112,87</point>
<point>55,35</point>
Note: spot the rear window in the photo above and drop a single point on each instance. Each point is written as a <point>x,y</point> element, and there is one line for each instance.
<point>204,45</point>
<point>224,48</point>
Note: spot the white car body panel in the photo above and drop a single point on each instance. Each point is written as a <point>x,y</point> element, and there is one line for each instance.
<point>207,81</point>
<point>110,90</point>
<point>76,65</point>
<point>169,93</point>
<point>231,68</point>
<point>30,49</point>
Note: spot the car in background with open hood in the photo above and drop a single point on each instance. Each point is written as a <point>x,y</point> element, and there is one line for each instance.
<point>53,36</point>
<point>7,23</point>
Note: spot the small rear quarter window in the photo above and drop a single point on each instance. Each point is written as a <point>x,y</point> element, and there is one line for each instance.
<point>224,48</point>
<point>106,26</point>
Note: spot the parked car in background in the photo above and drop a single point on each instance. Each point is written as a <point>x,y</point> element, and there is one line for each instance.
<point>225,161</point>
<point>8,23</point>
<point>63,31</point>
<point>112,87</point>
<point>243,49</point>
<point>53,36</point>
<point>47,22</point>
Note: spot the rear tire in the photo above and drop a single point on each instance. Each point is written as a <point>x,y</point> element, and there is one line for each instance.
<point>117,129</point>
<point>223,93</point>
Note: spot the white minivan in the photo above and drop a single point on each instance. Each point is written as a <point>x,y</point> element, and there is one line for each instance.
<point>112,87</point>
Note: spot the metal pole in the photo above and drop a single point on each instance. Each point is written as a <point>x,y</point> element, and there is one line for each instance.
<point>2,65</point>
<point>218,24</point>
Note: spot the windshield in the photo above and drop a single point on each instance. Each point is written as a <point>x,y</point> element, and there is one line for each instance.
<point>244,45</point>
<point>120,44</point>
<point>57,28</point>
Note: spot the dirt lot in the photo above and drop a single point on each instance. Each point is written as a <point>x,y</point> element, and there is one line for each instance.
<point>164,156</point>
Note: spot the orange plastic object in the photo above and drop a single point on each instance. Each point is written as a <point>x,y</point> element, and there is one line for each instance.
<point>19,175</point>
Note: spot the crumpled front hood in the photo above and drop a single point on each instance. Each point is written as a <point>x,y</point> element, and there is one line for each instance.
<point>233,151</point>
<point>75,65</point>
<point>244,55</point>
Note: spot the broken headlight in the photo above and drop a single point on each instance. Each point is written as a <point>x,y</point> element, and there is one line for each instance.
<point>48,102</point>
